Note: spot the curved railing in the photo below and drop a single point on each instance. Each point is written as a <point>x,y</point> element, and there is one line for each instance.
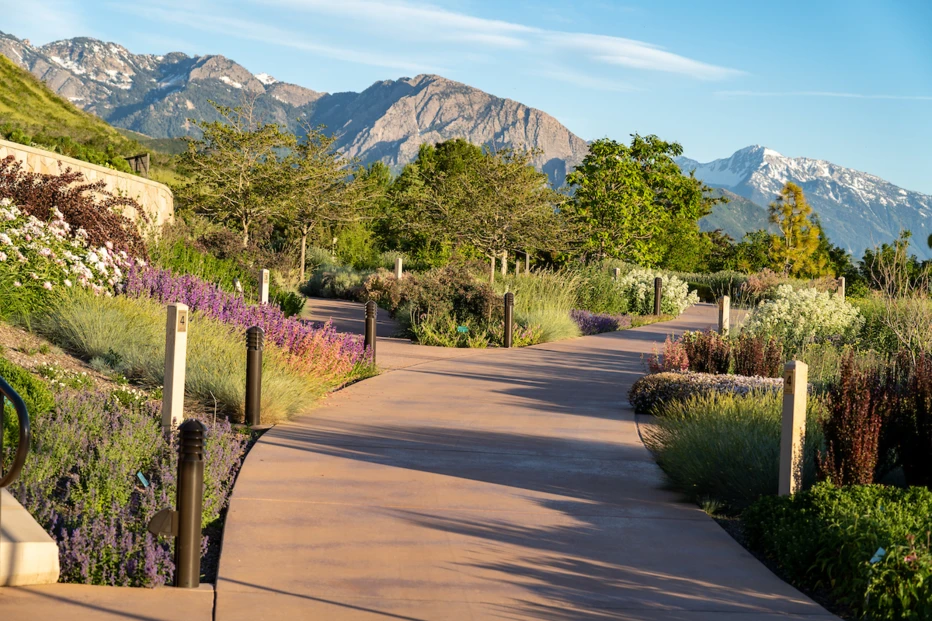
<point>25,433</point>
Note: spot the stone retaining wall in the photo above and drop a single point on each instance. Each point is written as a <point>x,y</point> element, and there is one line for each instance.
<point>156,199</point>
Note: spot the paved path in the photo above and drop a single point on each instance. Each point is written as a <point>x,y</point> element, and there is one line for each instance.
<point>507,484</point>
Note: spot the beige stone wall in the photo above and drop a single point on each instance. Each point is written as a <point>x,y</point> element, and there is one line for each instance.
<point>155,198</point>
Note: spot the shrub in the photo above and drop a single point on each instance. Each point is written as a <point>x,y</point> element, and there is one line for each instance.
<point>866,546</point>
<point>757,355</point>
<point>35,394</point>
<point>288,302</point>
<point>856,406</point>
<point>87,206</point>
<point>909,386</point>
<point>40,257</point>
<point>707,352</point>
<point>597,323</point>
<point>726,282</point>
<point>726,447</point>
<point>180,256</point>
<point>337,281</point>
<point>797,317</point>
<point>598,292</point>
<point>673,358</point>
<point>638,285</point>
<point>651,393</point>
<point>81,485</point>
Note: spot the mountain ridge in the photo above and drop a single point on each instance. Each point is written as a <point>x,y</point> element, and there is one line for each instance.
<point>858,210</point>
<point>388,121</point>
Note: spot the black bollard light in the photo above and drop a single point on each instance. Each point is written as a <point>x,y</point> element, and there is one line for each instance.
<point>371,315</point>
<point>189,504</point>
<point>254,344</point>
<point>658,293</point>
<point>509,318</point>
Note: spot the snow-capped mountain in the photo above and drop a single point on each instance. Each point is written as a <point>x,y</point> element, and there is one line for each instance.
<point>157,94</point>
<point>858,210</point>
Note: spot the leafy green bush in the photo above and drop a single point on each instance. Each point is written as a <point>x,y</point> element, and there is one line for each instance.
<point>651,393</point>
<point>35,394</point>
<point>726,447</point>
<point>94,326</point>
<point>598,291</point>
<point>867,546</point>
<point>289,302</point>
<point>716,284</point>
<point>801,316</point>
<point>181,257</point>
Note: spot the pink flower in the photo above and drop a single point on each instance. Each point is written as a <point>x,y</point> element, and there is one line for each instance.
<point>17,283</point>
<point>47,285</point>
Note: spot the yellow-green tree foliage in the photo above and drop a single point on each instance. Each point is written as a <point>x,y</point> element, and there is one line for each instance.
<point>796,250</point>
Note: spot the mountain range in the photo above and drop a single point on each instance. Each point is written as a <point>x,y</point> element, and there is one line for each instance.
<point>156,95</point>
<point>857,210</point>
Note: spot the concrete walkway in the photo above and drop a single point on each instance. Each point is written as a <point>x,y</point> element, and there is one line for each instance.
<point>500,484</point>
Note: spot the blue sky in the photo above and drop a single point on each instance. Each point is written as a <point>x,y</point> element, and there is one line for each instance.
<point>849,81</point>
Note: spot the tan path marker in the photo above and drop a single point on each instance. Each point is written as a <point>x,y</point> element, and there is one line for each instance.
<point>176,351</point>
<point>398,268</point>
<point>724,315</point>
<point>263,286</point>
<point>792,434</point>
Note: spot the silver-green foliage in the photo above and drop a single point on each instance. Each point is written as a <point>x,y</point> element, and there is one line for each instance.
<point>544,298</point>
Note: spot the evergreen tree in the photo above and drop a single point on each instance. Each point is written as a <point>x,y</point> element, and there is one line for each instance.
<point>795,250</point>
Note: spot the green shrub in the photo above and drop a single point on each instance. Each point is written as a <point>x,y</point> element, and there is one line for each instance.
<point>726,448</point>
<point>651,393</point>
<point>35,394</point>
<point>289,302</point>
<point>716,284</point>
<point>598,291</point>
<point>181,257</point>
<point>704,291</point>
<point>93,326</point>
<point>867,546</point>
<point>638,287</point>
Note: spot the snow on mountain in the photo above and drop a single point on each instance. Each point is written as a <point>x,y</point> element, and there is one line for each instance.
<point>858,210</point>
<point>266,79</point>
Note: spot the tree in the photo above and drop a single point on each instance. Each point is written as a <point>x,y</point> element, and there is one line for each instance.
<point>630,202</point>
<point>235,170</point>
<point>490,202</point>
<point>321,189</point>
<point>752,253</point>
<point>795,251</point>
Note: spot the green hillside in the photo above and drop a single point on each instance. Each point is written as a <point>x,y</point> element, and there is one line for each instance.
<point>32,114</point>
<point>736,217</point>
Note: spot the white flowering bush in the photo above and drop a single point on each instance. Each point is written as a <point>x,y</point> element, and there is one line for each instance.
<point>38,257</point>
<point>638,287</point>
<point>801,316</point>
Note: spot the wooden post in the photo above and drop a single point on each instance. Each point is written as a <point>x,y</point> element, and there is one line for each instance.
<point>527,262</point>
<point>492,273</point>
<point>793,432</point>
<point>399,268</point>
<point>504,262</point>
<point>517,267</point>
<point>841,287</point>
<point>176,351</point>
<point>263,286</point>
<point>617,274</point>
<point>724,315</point>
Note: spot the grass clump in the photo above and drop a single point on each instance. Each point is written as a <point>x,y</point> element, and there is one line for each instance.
<point>97,327</point>
<point>726,448</point>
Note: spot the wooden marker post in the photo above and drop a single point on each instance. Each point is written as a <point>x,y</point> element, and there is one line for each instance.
<point>504,262</point>
<point>793,431</point>
<point>617,274</point>
<point>264,286</point>
<point>399,268</point>
<point>176,351</point>
<point>841,287</point>
<point>527,262</point>
<point>724,315</point>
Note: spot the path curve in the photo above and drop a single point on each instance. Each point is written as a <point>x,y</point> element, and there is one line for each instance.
<point>509,484</point>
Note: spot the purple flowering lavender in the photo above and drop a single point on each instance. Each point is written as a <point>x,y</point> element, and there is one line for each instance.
<point>597,323</point>
<point>81,485</point>
<point>318,348</point>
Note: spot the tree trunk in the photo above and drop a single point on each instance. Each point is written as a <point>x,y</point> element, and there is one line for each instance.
<point>245,234</point>
<point>492,273</point>
<point>504,262</point>
<point>303,252</point>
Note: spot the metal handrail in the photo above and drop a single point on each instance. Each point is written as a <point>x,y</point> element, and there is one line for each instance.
<point>25,433</point>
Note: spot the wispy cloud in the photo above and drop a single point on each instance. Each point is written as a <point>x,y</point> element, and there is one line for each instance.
<point>273,35</point>
<point>399,18</point>
<point>42,21</point>
<point>822,94</point>
<point>588,81</point>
